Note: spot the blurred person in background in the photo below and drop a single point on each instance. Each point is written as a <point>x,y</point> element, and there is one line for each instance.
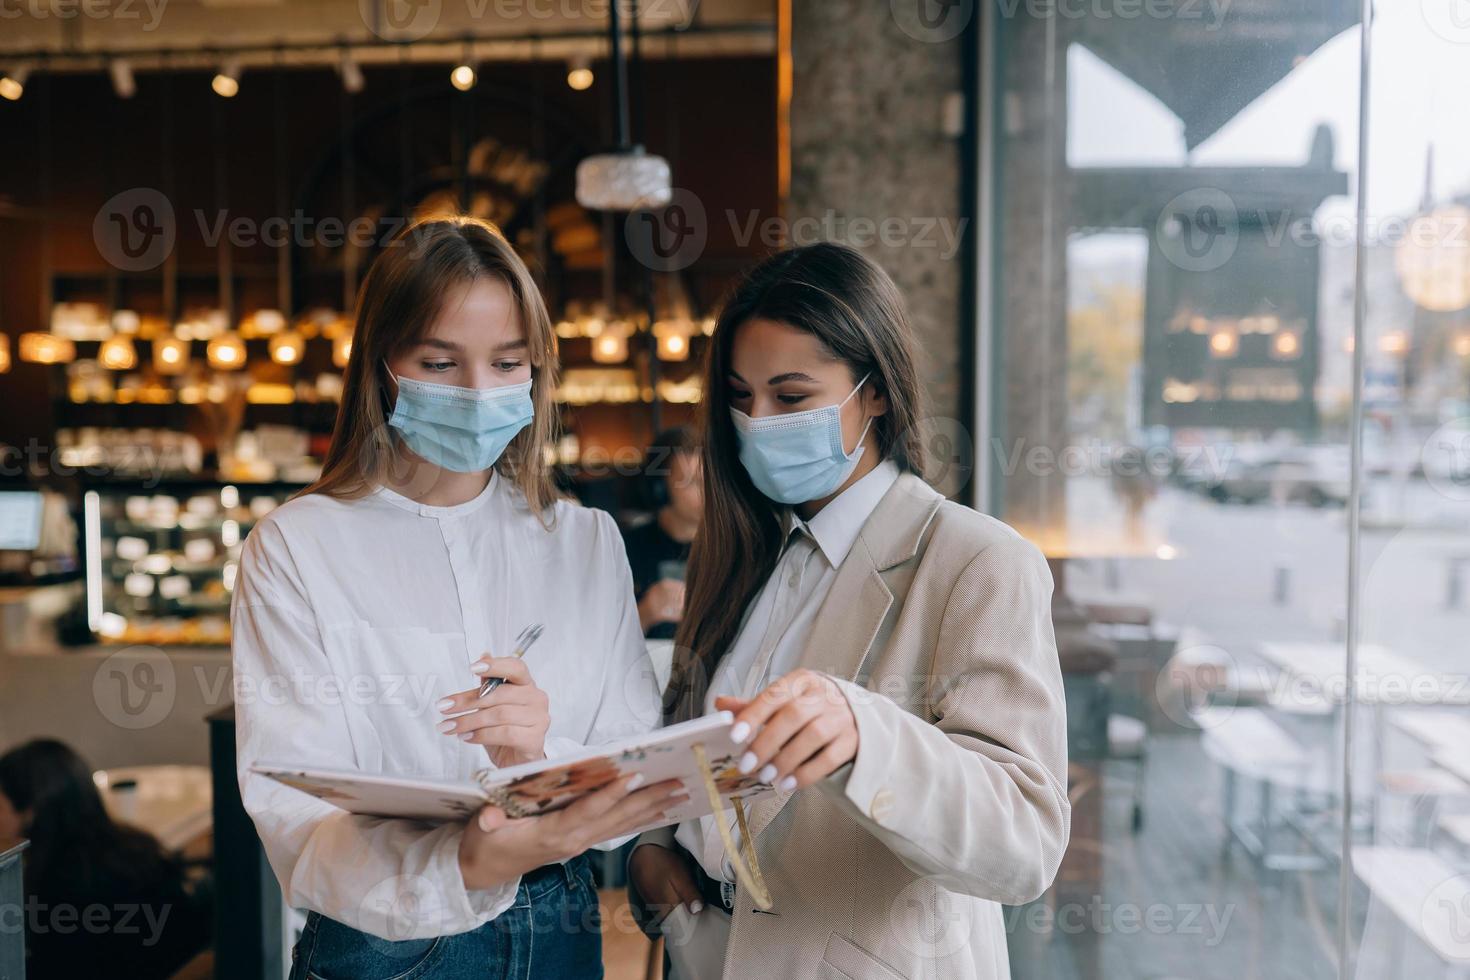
<point>658,550</point>
<point>101,899</point>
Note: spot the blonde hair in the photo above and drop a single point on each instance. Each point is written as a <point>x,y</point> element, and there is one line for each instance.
<point>398,302</point>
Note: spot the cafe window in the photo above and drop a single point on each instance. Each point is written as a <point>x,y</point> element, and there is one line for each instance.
<point>1201,301</point>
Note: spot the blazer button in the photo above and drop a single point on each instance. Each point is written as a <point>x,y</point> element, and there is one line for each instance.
<point>882,803</point>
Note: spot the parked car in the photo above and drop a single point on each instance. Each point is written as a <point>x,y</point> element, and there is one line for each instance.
<point>1318,477</point>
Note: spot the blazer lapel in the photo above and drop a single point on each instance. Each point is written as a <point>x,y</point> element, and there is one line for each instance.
<point>848,622</point>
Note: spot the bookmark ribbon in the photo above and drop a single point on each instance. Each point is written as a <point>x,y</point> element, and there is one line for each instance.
<point>749,875</point>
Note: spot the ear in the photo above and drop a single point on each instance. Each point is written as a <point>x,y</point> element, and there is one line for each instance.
<point>875,401</point>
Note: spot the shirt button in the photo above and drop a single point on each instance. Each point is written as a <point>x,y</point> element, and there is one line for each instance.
<point>793,580</point>
<point>881,805</point>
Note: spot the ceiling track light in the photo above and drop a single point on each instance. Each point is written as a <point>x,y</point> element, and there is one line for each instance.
<point>463,76</point>
<point>13,82</point>
<point>351,72</point>
<point>226,82</point>
<point>579,73</point>
<point>123,83</point>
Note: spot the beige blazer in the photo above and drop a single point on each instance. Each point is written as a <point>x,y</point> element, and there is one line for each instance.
<point>938,630</point>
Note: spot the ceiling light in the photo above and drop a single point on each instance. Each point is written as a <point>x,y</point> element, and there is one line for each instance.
<point>624,180</point>
<point>118,353</point>
<point>287,348</point>
<point>351,72</point>
<point>226,352</point>
<point>463,76</point>
<point>226,83</point>
<point>673,347</point>
<point>13,82</point>
<point>170,355</point>
<point>46,348</point>
<point>610,348</point>
<point>579,73</point>
<point>123,84</point>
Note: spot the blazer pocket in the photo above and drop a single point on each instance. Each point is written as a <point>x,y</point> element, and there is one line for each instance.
<point>852,961</point>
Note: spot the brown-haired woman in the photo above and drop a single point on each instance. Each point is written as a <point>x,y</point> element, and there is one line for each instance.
<point>889,655</point>
<point>362,610</point>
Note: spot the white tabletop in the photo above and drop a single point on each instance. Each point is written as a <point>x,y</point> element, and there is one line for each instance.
<point>1248,742</point>
<point>173,803</point>
<point>1426,894</point>
<point>1435,729</point>
<point>1383,676</point>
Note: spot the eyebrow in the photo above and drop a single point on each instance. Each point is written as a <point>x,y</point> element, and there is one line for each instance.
<point>778,379</point>
<point>438,343</point>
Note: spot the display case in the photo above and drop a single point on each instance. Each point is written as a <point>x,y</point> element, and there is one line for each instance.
<point>161,558</point>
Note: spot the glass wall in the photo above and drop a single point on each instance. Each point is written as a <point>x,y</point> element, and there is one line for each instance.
<point>1181,228</point>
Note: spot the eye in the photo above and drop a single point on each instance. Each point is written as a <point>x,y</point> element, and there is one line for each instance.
<point>791,399</point>
<point>507,366</point>
<point>437,367</point>
<point>738,394</point>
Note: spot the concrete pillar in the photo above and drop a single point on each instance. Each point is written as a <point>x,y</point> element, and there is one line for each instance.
<point>868,146</point>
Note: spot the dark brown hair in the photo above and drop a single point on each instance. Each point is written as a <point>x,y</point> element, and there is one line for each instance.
<point>398,302</point>
<point>72,837</point>
<point>847,302</point>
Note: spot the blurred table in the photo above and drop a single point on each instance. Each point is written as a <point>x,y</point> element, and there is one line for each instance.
<point>1384,679</point>
<point>1383,676</point>
<point>173,803</point>
<point>1426,895</point>
<point>1435,729</point>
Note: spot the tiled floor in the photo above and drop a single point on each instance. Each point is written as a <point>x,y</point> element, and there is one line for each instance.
<point>1170,905</point>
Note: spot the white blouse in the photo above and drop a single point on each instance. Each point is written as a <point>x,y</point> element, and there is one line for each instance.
<point>353,618</point>
<point>775,628</point>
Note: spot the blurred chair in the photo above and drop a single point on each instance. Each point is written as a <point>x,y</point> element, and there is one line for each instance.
<point>1128,743</point>
<point>12,896</point>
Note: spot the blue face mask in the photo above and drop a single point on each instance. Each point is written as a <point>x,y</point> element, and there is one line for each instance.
<point>798,457</point>
<point>460,429</point>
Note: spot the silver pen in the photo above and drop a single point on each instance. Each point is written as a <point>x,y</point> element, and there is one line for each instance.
<point>528,636</point>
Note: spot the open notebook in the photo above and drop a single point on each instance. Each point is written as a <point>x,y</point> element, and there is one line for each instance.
<point>550,784</point>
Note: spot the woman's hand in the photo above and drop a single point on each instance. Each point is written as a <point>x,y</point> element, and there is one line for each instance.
<point>664,880</point>
<point>662,603</point>
<point>510,721</point>
<point>804,730</point>
<point>496,848</point>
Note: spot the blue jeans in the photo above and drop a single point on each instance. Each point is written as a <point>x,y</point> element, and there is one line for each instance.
<point>553,931</point>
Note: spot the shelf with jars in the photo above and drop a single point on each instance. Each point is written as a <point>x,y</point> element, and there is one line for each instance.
<point>160,559</point>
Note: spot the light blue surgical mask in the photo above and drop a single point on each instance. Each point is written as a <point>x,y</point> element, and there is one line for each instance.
<point>460,429</point>
<point>798,457</point>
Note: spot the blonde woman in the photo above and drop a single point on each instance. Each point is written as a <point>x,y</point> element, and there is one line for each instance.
<point>889,655</point>
<point>368,609</point>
